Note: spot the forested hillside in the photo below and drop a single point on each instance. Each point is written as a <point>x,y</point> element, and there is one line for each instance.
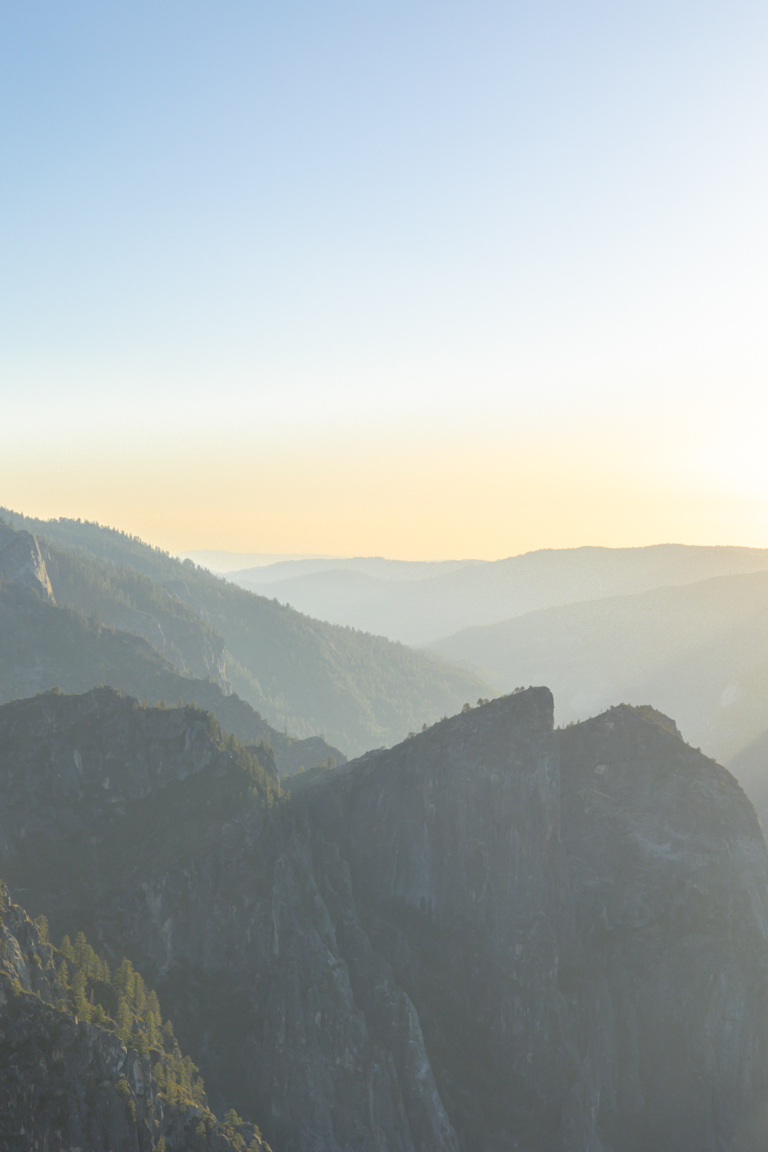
<point>43,646</point>
<point>357,690</point>
<point>124,598</point>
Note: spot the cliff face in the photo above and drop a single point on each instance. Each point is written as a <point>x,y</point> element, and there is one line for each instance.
<point>134,824</point>
<point>668,877</point>
<point>453,840</point>
<point>494,936</point>
<point>580,919</point>
<point>89,783</point>
<point>21,561</point>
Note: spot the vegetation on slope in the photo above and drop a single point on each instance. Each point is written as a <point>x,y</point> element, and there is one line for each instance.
<point>124,598</point>
<point>359,690</point>
<point>154,782</point>
<point>44,646</point>
<point>62,1081</point>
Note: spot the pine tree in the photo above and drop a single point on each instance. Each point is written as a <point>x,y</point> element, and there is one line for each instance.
<point>80,1005</point>
<point>124,1021</point>
<point>153,1006</point>
<point>139,992</point>
<point>81,951</point>
<point>125,980</point>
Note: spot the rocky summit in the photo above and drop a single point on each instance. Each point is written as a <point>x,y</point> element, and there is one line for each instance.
<point>494,936</point>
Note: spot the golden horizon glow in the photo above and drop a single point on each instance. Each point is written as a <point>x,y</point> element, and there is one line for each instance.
<point>457,495</point>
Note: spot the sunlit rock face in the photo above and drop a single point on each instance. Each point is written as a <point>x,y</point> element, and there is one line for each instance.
<point>21,561</point>
<point>580,918</point>
<point>667,867</point>
<point>494,936</point>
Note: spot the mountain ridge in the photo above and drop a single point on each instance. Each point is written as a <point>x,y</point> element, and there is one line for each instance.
<point>357,689</point>
<point>45,646</point>
<point>696,651</point>
<point>476,593</point>
<point>449,945</point>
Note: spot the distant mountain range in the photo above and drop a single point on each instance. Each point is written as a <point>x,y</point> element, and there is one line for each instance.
<point>698,652</point>
<point>684,629</point>
<point>304,676</point>
<point>222,562</point>
<point>419,603</point>
<point>375,567</point>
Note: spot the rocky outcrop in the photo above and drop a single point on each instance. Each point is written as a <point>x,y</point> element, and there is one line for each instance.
<point>667,870</point>
<point>21,561</point>
<point>453,840</point>
<point>73,767</point>
<point>494,936</point>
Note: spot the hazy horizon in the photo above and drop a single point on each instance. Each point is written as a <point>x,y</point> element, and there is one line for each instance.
<point>260,555</point>
<point>260,559</point>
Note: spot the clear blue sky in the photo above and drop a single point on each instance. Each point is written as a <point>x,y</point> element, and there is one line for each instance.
<point>441,276</point>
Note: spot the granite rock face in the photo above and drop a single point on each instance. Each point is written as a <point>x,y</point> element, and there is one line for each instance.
<point>667,868</point>
<point>493,936</point>
<point>453,840</point>
<point>22,562</point>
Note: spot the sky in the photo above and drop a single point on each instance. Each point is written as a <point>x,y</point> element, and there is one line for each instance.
<point>412,279</point>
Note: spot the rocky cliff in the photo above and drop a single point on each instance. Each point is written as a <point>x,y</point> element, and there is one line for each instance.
<point>580,919</point>
<point>493,936</point>
<point>21,561</point>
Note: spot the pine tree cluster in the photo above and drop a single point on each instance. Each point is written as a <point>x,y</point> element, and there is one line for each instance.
<point>121,1002</point>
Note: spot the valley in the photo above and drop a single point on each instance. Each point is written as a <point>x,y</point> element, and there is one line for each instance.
<point>499,933</point>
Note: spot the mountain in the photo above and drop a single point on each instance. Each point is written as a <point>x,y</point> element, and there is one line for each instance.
<point>420,604</point>
<point>71,1077</point>
<point>358,690</point>
<point>222,562</point>
<point>375,567</point>
<point>124,599</point>
<point>698,652</point>
<point>493,936</point>
<point>44,646</point>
